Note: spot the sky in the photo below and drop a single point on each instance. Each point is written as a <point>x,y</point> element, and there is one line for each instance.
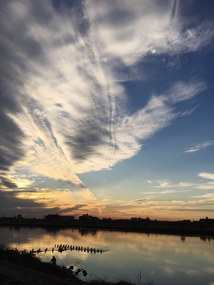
<point>106,108</point>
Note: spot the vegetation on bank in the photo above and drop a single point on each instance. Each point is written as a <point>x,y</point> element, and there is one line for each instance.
<point>31,261</point>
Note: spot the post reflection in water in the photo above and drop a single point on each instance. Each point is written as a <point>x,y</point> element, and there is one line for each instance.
<point>113,255</point>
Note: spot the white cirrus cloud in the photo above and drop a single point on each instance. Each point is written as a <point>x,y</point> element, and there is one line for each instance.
<point>181,91</point>
<point>188,112</point>
<point>168,184</point>
<point>67,107</point>
<point>207,186</point>
<point>199,146</point>
<point>206,175</point>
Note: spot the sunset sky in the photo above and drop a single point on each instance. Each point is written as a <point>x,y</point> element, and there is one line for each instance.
<point>107,108</point>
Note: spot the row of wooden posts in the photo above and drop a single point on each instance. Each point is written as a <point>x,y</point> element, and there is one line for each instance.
<point>65,247</point>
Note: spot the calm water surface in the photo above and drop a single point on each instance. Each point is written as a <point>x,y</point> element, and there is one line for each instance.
<point>163,259</point>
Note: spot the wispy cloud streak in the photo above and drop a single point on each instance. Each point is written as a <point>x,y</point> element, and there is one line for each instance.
<point>200,146</point>
<point>206,175</point>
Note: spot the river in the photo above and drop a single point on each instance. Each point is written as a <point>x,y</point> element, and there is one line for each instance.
<point>162,259</point>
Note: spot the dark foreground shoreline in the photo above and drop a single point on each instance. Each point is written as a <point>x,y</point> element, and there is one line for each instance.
<point>26,268</point>
<point>204,227</point>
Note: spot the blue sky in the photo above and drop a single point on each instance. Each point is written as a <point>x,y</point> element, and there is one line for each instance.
<point>107,108</point>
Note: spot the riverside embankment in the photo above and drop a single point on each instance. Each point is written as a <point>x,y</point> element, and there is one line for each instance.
<point>186,227</point>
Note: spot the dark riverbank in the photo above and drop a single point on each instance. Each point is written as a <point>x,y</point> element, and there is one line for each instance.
<point>202,227</point>
<point>25,268</point>
<point>19,265</point>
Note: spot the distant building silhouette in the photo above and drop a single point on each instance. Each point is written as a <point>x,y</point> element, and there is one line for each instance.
<point>86,217</point>
<point>58,217</point>
<point>19,216</point>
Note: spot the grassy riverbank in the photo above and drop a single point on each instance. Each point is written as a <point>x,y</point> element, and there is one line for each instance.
<point>30,261</point>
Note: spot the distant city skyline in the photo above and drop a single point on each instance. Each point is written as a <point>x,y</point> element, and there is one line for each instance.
<point>106,108</point>
<point>88,217</point>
